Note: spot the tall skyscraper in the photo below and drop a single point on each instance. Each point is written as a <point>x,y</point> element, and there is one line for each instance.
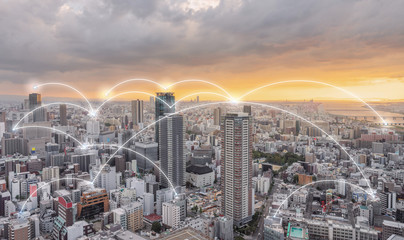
<point>171,150</point>
<point>236,167</point>
<point>217,112</point>
<point>151,102</point>
<point>162,108</point>
<point>63,114</point>
<point>137,111</point>
<point>35,100</point>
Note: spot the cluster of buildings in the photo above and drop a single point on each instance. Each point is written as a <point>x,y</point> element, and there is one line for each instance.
<point>146,170</point>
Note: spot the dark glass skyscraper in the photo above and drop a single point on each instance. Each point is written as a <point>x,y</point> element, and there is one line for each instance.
<point>171,150</point>
<point>162,108</point>
<point>35,100</point>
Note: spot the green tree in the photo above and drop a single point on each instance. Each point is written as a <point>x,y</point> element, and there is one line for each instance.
<point>156,227</point>
<point>195,209</point>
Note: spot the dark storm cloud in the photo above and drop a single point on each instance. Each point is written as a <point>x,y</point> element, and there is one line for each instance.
<point>38,37</point>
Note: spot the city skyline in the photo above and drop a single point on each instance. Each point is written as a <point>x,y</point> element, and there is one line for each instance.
<point>205,120</point>
<point>354,45</point>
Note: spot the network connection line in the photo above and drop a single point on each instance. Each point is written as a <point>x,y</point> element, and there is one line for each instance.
<point>168,105</point>
<point>130,92</point>
<point>134,80</point>
<point>320,181</point>
<point>322,83</point>
<point>253,103</point>
<point>46,184</point>
<point>135,135</point>
<point>68,86</point>
<point>203,81</point>
<point>46,105</point>
<point>314,125</point>
<point>52,129</point>
<point>148,159</point>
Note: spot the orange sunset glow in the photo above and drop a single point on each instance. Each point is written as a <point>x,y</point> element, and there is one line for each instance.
<point>357,46</point>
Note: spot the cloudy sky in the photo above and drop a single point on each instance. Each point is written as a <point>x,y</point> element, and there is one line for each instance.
<point>240,45</point>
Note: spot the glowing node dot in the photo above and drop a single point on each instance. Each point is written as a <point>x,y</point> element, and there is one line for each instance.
<point>92,113</point>
<point>235,101</point>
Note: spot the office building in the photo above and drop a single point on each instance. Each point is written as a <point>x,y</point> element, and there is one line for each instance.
<point>106,178</point>
<point>11,146</point>
<point>163,102</point>
<point>137,111</point>
<point>19,229</point>
<point>134,213</point>
<point>236,167</point>
<point>146,150</point>
<point>390,228</point>
<point>63,114</point>
<point>120,218</point>
<point>171,215</point>
<point>35,101</point>
<point>171,150</point>
<point>92,202</point>
<point>217,113</point>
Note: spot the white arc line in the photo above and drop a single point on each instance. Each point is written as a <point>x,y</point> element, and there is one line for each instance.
<point>203,81</point>
<point>129,92</point>
<point>168,105</point>
<point>46,105</point>
<point>52,129</point>
<point>133,80</point>
<point>314,125</point>
<point>148,159</point>
<point>312,183</point>
<point>265,105</point>
<point>46,184</point>
<point>123,145</point>
<point>193,94</point>
<point>322,83</point>
<point>68,86</point>
<point>169,86</point>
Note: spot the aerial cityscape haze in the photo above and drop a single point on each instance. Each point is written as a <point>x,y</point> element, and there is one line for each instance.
<point>217,119</point>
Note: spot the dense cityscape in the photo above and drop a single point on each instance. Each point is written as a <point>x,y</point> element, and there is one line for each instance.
<point>162,169</point>
<point>201,120</point>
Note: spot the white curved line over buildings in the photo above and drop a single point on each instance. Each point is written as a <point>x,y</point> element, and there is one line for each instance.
<point>151,124</point>
<point>52,129</point>
<point>68,86</point>
<point>148,159</point>
<point>320,181</point>
<point>203,81</point>
<point>252,103</point>
<point>168,105</point>
<point>322,83</point>
<point>129,92</point>
<point>314,125</point>
<point>46,184</point>
<point>46,105</point>
<point>193,94</point>
<point>134,80</point>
